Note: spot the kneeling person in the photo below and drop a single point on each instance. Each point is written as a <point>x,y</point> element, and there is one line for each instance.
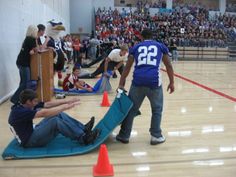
<point>114,61</point>
<point>55,121</point>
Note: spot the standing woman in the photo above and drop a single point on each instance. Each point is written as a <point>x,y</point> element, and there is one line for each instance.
<point>23,60</point>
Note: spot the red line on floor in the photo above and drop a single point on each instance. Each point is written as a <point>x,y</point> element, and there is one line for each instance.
<point>204,87</point>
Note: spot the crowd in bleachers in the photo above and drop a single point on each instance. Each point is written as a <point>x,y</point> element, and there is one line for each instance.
<point>185,25</point>
<point>178,4</point>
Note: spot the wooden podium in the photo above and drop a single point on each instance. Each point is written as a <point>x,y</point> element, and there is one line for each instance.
<point>41,67</point>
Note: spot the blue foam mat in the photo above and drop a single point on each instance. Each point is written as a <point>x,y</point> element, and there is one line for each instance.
<point>80,92</point>
<point>98,88</point>
<point>62,146</point>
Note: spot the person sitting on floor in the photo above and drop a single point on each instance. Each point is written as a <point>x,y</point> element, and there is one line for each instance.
<point>55,121</point>
<point>72,81</point>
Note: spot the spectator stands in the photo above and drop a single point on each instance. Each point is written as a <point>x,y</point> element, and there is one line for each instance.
<point>189,26</point>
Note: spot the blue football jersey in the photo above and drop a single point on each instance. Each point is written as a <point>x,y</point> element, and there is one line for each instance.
<point>148,56</point>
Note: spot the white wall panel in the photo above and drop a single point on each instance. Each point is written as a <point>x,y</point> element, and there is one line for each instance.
<point>15,16</point>
<point>81,12</point>
<point>103,3</point>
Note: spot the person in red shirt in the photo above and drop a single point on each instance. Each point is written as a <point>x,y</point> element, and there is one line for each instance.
<point>72,81</point>
<point>76,46</point>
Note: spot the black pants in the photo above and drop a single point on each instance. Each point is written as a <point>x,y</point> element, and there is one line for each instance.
<point>93,62</point>
<point>111,66</point>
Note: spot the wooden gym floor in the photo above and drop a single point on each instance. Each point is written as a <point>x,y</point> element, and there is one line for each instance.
<point>199,122</point>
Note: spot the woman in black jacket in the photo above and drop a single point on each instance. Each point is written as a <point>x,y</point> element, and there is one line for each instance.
<point>28,48</point>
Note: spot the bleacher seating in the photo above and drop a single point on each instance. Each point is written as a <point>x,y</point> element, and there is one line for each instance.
<point>204,53</point>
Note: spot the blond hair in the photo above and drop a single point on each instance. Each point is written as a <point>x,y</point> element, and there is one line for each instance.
<point>32,31</point>
<point>124,47</point>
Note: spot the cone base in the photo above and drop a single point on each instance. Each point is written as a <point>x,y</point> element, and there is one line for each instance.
<point>105,105</point>
<point>109,172</point>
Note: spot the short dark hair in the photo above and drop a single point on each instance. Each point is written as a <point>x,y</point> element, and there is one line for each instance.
<point>76,67</point>
<point>26,95</point>
<point>147,33</point>
<point>41,27</point>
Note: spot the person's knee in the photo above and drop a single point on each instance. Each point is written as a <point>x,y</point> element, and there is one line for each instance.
<point>62,114</point>
<point>53,123</point>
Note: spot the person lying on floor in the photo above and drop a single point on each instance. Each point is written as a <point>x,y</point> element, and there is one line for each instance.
<point>103,50</point>
<point>55,121</point>
<point>72,81</point>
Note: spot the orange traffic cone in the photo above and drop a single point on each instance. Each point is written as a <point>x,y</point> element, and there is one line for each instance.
<point>105,101</point>
<point>103,167</point>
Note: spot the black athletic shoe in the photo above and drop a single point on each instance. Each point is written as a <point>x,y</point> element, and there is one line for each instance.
<point>124,141</point>
<point>90,137</point>
<point>89,125</point>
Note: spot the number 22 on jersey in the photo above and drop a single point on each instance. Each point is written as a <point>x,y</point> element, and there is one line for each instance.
<point>147,55</point>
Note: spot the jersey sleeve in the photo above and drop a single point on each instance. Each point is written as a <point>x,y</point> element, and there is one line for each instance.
<point>131,50</point>
<point>164,49</point>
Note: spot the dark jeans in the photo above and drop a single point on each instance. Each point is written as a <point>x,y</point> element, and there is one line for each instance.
<point>50,127</point>
<point>98,59</point>
<point>24,79</point>
<point>137,95</point>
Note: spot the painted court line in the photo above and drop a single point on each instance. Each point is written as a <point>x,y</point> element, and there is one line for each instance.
<point>204,87</point>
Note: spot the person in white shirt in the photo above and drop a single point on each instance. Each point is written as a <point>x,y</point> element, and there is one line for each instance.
<point>114,61</point>
<point>42,40</point>
<point>68,47</point>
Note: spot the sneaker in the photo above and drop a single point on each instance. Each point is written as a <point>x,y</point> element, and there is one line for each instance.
<point>155,141</point>
<point>89,125</point>
<point>124,141</point>
<point>91,136</point>
<point>60,96</point>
